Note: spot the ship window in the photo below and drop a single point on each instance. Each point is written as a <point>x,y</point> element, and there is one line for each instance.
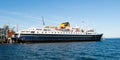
<point>32,31</point>
<point>23,31</point>
<point>45,32</point>
<point>45,29</point>
<point>38,29</point>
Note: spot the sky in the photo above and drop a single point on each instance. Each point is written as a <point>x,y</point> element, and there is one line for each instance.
<point>101,15</point>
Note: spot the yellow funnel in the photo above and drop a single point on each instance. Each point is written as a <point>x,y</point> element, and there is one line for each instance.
<point>65,25</point>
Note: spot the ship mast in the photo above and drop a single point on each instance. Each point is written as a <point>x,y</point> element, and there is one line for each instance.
<point>43,20</point>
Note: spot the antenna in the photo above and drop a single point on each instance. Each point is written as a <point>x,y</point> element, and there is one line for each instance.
<point>43,20</point>
<point>17,27</point>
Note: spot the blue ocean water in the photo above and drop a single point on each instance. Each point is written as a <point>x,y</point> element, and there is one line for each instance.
<point>109,49</point>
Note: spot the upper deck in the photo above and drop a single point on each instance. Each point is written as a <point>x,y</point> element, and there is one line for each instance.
<point>56,31</point>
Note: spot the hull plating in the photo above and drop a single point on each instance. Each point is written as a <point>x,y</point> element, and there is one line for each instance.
<point>57,37</point>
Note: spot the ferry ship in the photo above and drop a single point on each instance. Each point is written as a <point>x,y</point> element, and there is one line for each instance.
<point>63,33</point>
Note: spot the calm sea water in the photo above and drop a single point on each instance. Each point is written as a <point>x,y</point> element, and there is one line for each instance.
<point>108,49</point>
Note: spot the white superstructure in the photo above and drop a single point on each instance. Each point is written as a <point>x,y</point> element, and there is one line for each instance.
<point>56,31</point>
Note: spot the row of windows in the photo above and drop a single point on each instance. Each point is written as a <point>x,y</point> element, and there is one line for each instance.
<point>33,32</point>
<point>25,31</point>
<point>59,32</point>
<point>52,32</point>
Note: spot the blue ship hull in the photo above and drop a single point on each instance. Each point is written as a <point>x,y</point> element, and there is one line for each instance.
<point>57,37</point>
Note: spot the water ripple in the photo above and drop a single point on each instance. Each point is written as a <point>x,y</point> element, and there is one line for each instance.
<point>105,50</point>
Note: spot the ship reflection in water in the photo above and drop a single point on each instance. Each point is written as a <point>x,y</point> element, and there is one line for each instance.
<point>100,50</point>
